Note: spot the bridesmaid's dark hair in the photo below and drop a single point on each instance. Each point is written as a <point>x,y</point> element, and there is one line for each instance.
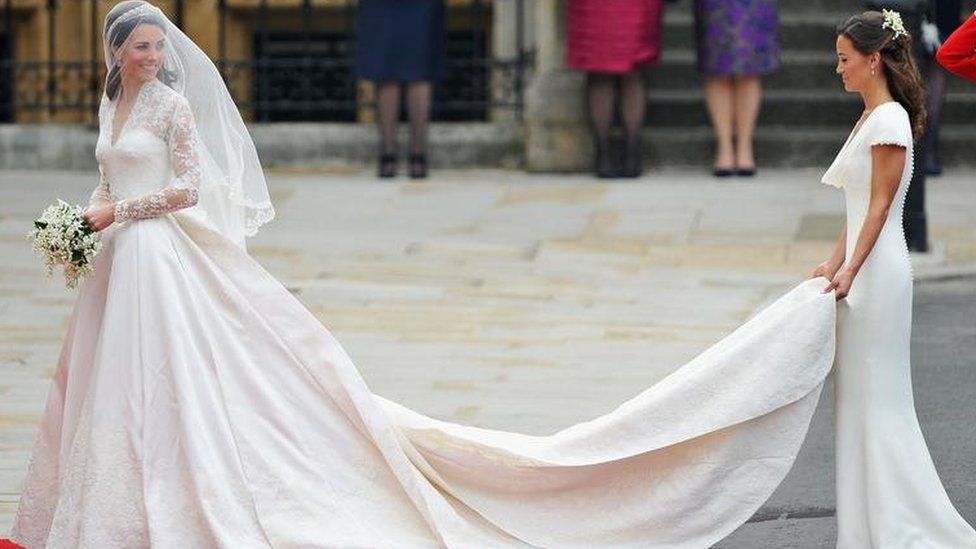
<point>114,81</point>
<point>867,33</point>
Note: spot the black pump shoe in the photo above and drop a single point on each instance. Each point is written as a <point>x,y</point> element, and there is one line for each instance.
<point>387,166</point>
<point>603,165</point>
<point>418,166</point>
<point>633,163</point>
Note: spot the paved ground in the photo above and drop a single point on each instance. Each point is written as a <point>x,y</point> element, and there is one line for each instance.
<point>533,302</point>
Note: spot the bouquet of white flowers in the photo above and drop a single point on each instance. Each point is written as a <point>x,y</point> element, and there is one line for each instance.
<point>64,238</point>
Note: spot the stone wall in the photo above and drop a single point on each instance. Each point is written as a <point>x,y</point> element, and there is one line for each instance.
<point>282,145</point>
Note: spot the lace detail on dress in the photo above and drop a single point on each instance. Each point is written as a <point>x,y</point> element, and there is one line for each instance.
<point>35,511</point>
<point>102,193</point>
<point>154,110</point>
<point>180,134</point>
<point>101,477</point>
<point>156,204</point>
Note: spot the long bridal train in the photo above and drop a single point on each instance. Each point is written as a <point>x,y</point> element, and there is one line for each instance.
<point>196,403</point>
<point>239,421</point>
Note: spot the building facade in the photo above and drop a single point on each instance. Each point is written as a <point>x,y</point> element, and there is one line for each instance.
<point>283,60</point>
<point>508,98</point>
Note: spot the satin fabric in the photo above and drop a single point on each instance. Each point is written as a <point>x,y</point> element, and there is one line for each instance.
<point>198,404</point>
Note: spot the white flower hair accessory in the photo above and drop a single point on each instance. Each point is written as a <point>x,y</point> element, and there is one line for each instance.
<point>892,21</point>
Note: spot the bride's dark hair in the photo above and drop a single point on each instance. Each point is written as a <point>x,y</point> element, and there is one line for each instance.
<point>868,34</point>
<point>120,34</point>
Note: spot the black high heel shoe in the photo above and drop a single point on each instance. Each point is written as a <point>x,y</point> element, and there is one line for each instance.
<point>603,165</point>
<point>387,166</point>
<point>633,164</point>
<point>418,166</point>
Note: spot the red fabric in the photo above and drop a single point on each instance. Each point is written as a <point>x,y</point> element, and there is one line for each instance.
<point>613,36</point>
<point>7,544</point>
<point>958,53</point>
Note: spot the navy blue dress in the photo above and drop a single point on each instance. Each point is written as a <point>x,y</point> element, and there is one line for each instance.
<point>400,40</point>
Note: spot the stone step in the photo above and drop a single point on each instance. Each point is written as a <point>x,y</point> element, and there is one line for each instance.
<point>799,70</point>
<point>344,147</point>
<point>806,146</point>
<point>686,108</point>
<point>282,145</point>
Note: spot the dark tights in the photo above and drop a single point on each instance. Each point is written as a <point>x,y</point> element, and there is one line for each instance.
<point>418,95</point>
<point>601,91</point>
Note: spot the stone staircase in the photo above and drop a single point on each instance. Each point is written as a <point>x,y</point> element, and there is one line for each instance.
<point>806,114</point>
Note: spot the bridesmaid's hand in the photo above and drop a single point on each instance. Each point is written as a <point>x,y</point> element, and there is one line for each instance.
<point>826,270</point>
<point>100,216</point>
<point>840,284</point>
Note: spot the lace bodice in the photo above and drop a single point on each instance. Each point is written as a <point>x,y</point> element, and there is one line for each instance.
<point>152,168</point>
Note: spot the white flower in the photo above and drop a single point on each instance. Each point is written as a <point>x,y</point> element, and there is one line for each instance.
<point>63,238</point>
<point>892,21</point>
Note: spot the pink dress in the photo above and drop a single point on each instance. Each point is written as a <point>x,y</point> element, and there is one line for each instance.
<point>613,36</point>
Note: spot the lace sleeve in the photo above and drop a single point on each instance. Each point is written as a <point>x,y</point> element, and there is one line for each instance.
<point>101,195</point>
<point>182,192</point>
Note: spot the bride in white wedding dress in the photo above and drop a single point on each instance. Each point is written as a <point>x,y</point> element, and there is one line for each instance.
<point>196,403</point>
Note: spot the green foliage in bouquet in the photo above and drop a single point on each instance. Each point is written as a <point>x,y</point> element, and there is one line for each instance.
<point>63,238</point>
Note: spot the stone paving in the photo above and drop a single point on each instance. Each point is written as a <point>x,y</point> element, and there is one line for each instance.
<point>495,298</point>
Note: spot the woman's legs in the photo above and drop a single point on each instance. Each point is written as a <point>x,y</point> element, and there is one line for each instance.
<point>748,96</point>
<point>387,116</point>
<point>418,112</point>
<point>633,105</point>
<point>600,102</point>
<point>720,99</point>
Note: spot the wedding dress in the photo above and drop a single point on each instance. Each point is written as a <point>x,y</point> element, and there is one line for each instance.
<point>196,403</point>
<point>888,492</point>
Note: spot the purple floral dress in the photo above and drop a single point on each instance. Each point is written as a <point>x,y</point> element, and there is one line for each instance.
<point>737,37</point>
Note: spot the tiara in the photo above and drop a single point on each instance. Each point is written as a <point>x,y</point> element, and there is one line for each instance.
<point>137,11</point>
<point>892,21</point>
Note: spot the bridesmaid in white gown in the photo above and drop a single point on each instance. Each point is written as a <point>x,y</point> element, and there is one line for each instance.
<point>197,404</point>
<point>888,492</point>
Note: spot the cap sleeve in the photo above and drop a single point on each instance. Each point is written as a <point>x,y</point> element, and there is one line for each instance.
<point>891,127</point>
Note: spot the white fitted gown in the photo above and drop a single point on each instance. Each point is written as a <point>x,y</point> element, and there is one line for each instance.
<point>889,495</point>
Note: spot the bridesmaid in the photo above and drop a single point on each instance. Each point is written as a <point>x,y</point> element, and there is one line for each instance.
<point>401,49</point>
<point>615,41</point>
<point>958,52</point>
<point>737,44</point>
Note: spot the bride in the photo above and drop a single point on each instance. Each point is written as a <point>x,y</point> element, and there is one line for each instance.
<point>196,403</point>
